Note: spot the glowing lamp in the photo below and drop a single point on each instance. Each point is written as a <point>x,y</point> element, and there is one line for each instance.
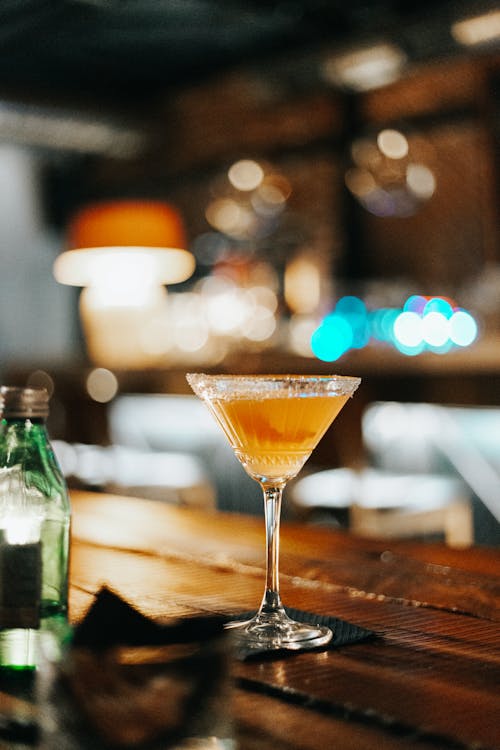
<point>123,253</point>
<point>103,235</point>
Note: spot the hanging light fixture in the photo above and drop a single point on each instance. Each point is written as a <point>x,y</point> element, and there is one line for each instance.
<point>105,234</point>
<point>123,253</point>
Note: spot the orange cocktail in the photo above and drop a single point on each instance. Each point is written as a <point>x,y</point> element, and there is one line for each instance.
<point>273,437</point>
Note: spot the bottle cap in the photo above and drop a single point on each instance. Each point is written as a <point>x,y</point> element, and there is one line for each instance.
<point>24,403</point>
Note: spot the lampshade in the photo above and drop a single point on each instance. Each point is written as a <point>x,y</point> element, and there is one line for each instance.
<point>127,223</point>
<point>103,235</point>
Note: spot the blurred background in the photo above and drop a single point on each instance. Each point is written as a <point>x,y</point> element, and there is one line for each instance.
<point>324,177</point>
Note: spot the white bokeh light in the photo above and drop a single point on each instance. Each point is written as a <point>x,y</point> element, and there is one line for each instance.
<point>408,329</point>
<point>463,328</point>
<point>436,329</point>
<point>392,144</point>
<point>245,174</point>
<point>102,385</point>
<point>421,181</point>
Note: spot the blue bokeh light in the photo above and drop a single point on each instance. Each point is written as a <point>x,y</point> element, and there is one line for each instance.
<point>354,311</point>
<point>332,339</point>
<point>438,305</point>
<point>415,303</point>
<point>424,323</point>
<point>350,305</point>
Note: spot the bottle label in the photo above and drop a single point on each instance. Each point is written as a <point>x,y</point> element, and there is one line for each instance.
<point>20,585</point>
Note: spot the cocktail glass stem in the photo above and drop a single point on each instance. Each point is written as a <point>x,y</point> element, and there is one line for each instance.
<point>271,601</point>
<point>271,627</point>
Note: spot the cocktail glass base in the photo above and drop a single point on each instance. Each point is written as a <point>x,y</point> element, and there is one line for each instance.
<point>275,631</point>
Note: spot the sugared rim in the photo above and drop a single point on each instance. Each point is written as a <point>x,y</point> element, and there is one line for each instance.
<point>242,386</point>
<point>270,376</point>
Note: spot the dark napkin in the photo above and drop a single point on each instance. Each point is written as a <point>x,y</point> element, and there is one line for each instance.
<point>111,621</point>
<point>344,633</point>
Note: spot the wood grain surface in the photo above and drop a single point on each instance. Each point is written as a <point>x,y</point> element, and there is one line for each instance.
<point>428,680</point>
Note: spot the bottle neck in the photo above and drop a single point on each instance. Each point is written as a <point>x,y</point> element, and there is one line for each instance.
<point>25,443</point>
<point>23,426</point>
<point>18,434</point>
<point>24,421</point>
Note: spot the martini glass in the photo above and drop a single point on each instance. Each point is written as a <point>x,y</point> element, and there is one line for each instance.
<point>273,423</point>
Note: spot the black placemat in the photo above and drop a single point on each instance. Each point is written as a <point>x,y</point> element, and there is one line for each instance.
<point>344,634</point>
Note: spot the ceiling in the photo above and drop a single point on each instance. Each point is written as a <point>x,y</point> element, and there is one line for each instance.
<point>120,49</point>
<point>92,76</point>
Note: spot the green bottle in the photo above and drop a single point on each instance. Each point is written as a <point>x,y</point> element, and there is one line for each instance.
<point>34,530</point>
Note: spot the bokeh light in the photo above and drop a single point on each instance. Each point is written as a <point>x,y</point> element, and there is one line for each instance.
<point>438,305</point>
<point>421,181</point>
<point>245,174</point>
<point>260,326</point>
<point>332,339</point>
<point>415,303</point>
<point>385,177</point>
<point>246,204</point>
<point>41,379</point>
<point>408,329</point>
<point>392,144</point>
<point>463,328</point>
<point>102,385</point>
<point>229,216</point>
<point>422,324</point>
<point>354,312</point>
<point>435,329</point>
<point>300,332</point>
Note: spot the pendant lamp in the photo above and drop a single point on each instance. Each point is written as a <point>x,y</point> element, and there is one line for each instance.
<point>123,253</point>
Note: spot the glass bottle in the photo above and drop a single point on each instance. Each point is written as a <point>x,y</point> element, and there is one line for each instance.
<point>34,530</point>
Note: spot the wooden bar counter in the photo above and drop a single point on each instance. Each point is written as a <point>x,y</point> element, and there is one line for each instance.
<point>427,680</point>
